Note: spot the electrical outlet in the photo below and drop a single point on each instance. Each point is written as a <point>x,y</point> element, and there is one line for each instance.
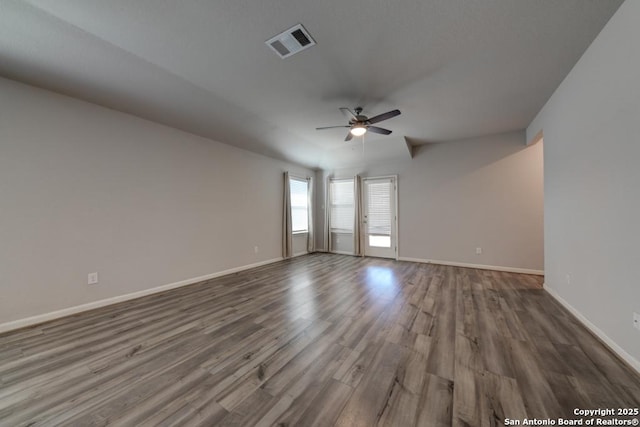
<point>255,249</point>
<point>636,320</point>
<point>92,279</point>
<point>568,278</point>
<point>478,251</point>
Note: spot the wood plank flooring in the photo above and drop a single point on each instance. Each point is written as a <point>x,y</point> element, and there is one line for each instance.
<point>319,340</point>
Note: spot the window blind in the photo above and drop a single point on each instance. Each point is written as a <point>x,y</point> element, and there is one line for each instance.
<point>342,212</point>
<point>299,205</point>
<point>379,208</point>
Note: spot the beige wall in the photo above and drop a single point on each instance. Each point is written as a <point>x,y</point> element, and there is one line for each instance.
<point>484,193</point>
<point>342,243</point>
<point>86,189</point>
<point>592,182</point>
<point>456,196</point>
<point>299,242</point>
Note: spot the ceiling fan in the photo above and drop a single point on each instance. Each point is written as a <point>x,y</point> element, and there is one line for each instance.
<point>360,124</point>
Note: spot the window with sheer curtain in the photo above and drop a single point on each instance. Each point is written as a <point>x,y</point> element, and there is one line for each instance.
<point>299,189</point>
<point>342,209</point>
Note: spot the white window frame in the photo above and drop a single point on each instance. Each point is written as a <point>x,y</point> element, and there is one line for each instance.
<point>331,204</point>
<point>307,182</point>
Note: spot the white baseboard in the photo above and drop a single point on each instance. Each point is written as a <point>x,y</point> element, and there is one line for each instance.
<point>479,266</point>
<point>633,362</point>
<point>34,320</point>
<point>299,254</point>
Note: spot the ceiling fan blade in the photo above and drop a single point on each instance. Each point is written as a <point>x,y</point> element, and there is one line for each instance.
<point>383,116</point>
<point>348,113</point>
<point>349,136</point>
<point>332,127</point>
<point>376,129</point>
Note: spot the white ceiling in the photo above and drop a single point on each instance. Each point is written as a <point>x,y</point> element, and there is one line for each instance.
<point>455,68</point>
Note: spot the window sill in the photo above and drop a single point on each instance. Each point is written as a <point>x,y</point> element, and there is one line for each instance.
<point>299,232</point>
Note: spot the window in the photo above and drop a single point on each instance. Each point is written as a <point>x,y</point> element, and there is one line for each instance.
<point>299,189</point>
<point>379,213</point>
<point>342,212</point>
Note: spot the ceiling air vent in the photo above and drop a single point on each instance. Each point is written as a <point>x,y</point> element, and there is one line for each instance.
<point>292,41</point>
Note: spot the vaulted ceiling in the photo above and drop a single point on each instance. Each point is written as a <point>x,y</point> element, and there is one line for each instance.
<point>456,68</point>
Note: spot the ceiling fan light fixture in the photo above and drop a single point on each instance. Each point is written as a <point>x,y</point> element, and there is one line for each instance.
<point>358,130</point>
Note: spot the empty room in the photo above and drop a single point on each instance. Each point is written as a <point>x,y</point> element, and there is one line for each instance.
<point>319,213</point>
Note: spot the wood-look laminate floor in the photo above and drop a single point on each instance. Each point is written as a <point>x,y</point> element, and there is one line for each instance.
<point>319,340</point>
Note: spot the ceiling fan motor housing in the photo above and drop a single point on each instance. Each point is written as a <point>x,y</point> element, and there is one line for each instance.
<point>360,118</point>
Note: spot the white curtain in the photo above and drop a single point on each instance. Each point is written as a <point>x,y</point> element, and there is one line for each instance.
<point>358,232</point>
<point>311,244</point>
<point>327,215</point>
<point>287,234</point>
